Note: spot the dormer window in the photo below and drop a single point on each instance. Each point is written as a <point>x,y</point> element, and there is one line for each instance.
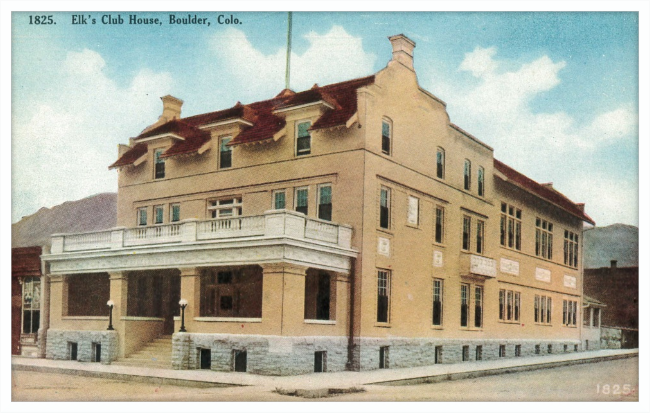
<point>303,140</point>
<point>159,164</point>
<point>386,134</point>
<point>225,153</point>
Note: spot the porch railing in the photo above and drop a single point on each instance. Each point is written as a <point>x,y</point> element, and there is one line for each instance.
<point>274,223</point>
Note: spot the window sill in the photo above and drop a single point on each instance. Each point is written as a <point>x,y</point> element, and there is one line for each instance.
<point>544,324</point>
<point>385,231</point>
<point>323,322</point>
<point>85,317</point>
<point>509,322</point>
<point>135,318</point>
<point>224,319</point>
<point>413,226</point>
<point>382,325</point>
<point>437,328</point>
<point>438,244</point>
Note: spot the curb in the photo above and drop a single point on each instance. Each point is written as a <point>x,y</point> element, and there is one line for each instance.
<point>125,377</point>
<point>496,371</point>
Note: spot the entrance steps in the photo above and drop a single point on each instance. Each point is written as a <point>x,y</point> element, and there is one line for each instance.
<point>156,354</point>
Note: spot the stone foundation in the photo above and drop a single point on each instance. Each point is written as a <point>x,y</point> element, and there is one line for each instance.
<point>415,352</point>
<point>274,355</point>
<point>58,344</point>
<point>267,355</point>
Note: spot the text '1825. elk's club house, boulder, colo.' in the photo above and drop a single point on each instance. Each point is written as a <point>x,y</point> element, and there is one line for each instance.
<point>350,226</point>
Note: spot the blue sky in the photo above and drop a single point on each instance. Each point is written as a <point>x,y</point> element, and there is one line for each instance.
<point>554,93</point>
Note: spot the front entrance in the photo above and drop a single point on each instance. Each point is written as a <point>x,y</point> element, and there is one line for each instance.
<point>155,294</point>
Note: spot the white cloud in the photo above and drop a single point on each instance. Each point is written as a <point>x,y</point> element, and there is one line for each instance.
<point>549,146</point>
<point>330,57</point>
<point>62,145</point>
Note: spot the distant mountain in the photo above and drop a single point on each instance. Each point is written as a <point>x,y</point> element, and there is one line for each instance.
<point>618,242</point>
<point>94,213</point>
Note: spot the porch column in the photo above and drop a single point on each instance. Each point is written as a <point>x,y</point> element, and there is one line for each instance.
<point>119,294</point>
<point>191,291</point>
<point>591,316</point>
<point>45,315</point>
<point>340,302</point>
<point>283,298</point>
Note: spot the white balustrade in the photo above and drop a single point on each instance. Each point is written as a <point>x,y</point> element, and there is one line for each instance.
<point>158,234</point>
<point>230,227</point>
<point>322,231</point>
<point>275,223</point>
<point>87,241</point>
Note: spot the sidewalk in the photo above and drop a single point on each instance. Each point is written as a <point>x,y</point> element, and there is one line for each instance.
<point>319,381</point>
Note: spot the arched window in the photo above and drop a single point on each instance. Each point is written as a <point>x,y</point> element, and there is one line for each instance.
<point>440,163</point>
<point>468,175</point>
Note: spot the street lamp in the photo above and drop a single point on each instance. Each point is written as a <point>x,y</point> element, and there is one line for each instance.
<point>183,304</point>
<point>110,305</point>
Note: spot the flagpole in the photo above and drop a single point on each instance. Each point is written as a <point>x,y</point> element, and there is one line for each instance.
<point>288,71</point>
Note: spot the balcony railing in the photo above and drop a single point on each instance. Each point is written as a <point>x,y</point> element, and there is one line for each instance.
<point>275,223</point>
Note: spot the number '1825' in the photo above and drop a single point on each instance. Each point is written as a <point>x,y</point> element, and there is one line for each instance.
<point>613,389</point>
<point>41,19</point>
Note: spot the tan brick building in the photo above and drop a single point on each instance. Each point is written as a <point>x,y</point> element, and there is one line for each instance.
<point>349,226</point>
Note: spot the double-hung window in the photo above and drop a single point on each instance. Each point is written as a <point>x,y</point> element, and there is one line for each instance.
<point>142,216</point>
<point>467,229</point>
<point>464,305</point>
<point>384,208</point>
<point>480,236</point>
<point>509,305</point>
<point>302,200</point>
<point>467,175</point>
<point>159,164</point>
<point>481,181</point>
<point>225,153</point>
<point>543,238</point>
<point>158,214</point>
<point>543,309</point>
<point>383,296</point>
<point>569,312</point>
<point>510,226</point>
<point>279,200</point>
<point>325,202</point>
<point>303,139</point>
<point>570,249</point>
<point>440,163</point>
<point>386,132</point>
<point>437,302</point>
<point>175,212</point>
<point>440,224</point>
<point>478,306</point>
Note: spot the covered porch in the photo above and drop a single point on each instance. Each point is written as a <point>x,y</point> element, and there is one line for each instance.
<point>287,277</point>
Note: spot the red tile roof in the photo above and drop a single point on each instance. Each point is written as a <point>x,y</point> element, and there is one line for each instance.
<point>342,96</point>
<point>26,262</point>
<point>130,156</point>
<point>542,191</point>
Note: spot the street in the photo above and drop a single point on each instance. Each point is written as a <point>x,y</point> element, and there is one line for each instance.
<point>615,380</point>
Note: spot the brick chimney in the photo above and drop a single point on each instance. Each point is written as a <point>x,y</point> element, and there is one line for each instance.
<point>171,108</point>
<point>581,207</point>
<point>403,50</point>
<point>613,263</point>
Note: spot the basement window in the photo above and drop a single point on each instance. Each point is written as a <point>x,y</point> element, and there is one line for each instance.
<point>205,358</point>
<point>320,361</point>
<point>240,361</point>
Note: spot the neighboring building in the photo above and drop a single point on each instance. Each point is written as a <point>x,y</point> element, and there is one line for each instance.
<point>350,226</point>
<point>592,311</point>
<point>25,300</point>
<point>618,288</point>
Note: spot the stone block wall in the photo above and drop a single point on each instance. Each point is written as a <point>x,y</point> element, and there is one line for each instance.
<point>609,338</point>
<point>267,355</point>
<point>414,352</point>
<point>58,344</point>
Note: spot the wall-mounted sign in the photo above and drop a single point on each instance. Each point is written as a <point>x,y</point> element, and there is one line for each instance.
<point>383,246</point>
<point>509,266</point>
<point>483,266</point>
<point>437,259</point>
<point>542,274</point>
<point>570,281</point>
